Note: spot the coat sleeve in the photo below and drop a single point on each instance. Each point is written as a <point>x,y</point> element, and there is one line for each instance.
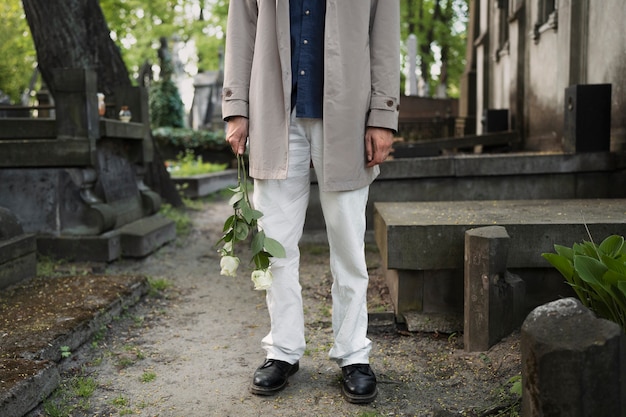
<point>240,39</point>
<point>385,64</point>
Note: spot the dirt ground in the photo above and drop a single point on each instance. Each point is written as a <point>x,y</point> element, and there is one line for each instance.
<point>190,349</point>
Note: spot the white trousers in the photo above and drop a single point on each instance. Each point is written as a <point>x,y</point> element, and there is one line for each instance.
<point>284,204</point>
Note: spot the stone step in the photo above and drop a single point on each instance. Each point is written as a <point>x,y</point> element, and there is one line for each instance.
<point>422,247</point>
<point>197,186</point>
<point>430,235</point>
<point>136,239</point>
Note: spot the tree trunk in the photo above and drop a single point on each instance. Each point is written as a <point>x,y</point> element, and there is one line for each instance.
<point>74,34</point>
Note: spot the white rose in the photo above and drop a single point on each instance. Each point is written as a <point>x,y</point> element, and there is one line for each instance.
<point>262,279</point>
<point>229,265</point>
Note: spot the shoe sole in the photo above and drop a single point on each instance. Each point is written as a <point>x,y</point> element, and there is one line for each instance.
<point>359,399</point>
<point>257,390</point>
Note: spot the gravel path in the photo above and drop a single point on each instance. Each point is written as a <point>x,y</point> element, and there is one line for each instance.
<point>190,350</point>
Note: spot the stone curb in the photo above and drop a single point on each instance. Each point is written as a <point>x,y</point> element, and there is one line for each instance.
<point>28,393</point>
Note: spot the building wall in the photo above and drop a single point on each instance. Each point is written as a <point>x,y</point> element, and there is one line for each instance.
<point>581,43</point>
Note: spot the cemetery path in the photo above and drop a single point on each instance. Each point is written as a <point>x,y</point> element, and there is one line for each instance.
<point>190,350</point>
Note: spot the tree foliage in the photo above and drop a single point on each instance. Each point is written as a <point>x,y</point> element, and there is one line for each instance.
<point>441,30</point>
<point>16,49</point>
<point>137,25</point>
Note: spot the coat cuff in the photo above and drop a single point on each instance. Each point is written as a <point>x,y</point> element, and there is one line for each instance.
<point>234,102</point>
<point>384,113</point>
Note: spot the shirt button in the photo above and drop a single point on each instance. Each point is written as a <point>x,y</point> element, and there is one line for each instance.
<point>303,72</point>
<point>306,41</point>
<point>307,12</point>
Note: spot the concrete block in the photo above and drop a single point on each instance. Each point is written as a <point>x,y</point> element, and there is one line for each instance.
<point>20,398</point>
<point>430,235</point>
<point>144,236</point>
<point>18,256</point>
<point>572,362</point>
<point>202,185</point>
<point>494,298</point>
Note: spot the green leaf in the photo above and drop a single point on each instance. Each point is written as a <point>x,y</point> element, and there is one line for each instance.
<point>241,231</point>
<point>561,263</point>
<point>256,214</point>
<point>274,248</point>
<point>614,264</point>
<point>612,245</point>
<point>228,224</point>
<point>236,198</point>
<point>565,251</point>
<point>262,260</point>
<point>589,269</point>
<point>258,242</point>
<point>622,287</point>
<point>247,213</point>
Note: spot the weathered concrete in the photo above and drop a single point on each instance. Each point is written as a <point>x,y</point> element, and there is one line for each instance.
<point>572,363</point>
<point>494,298</point>
<point>83,180</point>
<point>29,392</point>
<point>18,257</point>
<point>422,245</point>
<point>510,176</point>
<point>430,235</point>
<point>134,240</point>
<point>202,185</point>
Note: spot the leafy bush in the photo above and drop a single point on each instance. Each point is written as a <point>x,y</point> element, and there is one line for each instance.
<point>188,164</point>
<point>597,273</point>
<point>190,138</point>
<point>166,106</point>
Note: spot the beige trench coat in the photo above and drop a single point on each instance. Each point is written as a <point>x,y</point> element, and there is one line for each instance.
<point>361,83</point>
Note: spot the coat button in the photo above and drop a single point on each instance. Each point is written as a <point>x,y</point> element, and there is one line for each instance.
<point>389,103</point>
<point>228,93</point>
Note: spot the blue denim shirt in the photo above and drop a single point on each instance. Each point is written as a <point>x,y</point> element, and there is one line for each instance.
<point>307,56</point>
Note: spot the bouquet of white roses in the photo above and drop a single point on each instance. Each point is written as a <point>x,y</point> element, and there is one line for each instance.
<point>238,226</point>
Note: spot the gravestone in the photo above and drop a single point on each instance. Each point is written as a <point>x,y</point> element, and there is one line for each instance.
<point>76,181</point>
<point>573,364</point>
<point>18,259</point>
<point>494,298</point>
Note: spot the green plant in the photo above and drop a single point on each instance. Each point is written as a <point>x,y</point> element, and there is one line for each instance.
<point>237,228</point>
<point>120,401</point>
<point>84,387</point>
<point>148,376</point>
<point>187,164</point>
<point>189,138</point>
<point>158,285</point>
<point>65,352</point>
<point>597,273</point>
<point>179,216</point>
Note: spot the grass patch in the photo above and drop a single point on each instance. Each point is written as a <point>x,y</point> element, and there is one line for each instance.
<point>188,164</point>
<point>148,376</point>
<point>158,286</point>
<point>179,216</point>
<point>62,402</point>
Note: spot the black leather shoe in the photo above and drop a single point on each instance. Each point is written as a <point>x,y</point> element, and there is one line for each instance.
<point>272,376</point>
<point>359,384</point>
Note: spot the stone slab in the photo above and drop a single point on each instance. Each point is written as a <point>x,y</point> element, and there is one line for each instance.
<point>136,239</point>
<point>33,373</point>
<point>197,186</point>
<point>26,394</point>
<point>144,236</point>
<point>471,177</point>
<point>430,235</point>
<point>102,248</point>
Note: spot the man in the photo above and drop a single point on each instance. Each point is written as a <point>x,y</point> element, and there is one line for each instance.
<point>314,82</point>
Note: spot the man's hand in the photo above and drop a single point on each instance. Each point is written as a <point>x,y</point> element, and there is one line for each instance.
<point>237,134</point>
<point>378,143</point>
